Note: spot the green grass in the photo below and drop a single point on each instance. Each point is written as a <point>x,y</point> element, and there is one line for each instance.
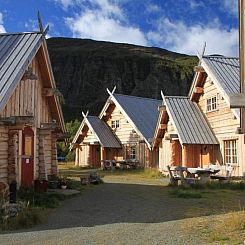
<point>182,193</point>
<point>25,219</point>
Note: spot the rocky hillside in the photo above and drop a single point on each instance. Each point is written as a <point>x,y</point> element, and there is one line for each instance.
<point>83,69</point>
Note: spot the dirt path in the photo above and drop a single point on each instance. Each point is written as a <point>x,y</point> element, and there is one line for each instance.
<point>120,211</point>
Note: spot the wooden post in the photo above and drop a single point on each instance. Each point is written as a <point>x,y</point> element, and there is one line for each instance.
<point>184,156</point>
<point>77,157</point>
<point>242,56</point>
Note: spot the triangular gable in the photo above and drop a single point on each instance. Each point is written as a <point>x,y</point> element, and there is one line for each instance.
<point>224,73</point>
<point>161,125</point>
<point>141,113</point>
<point>189,121</point>
<point>17,51</point>
<point>100,129</point>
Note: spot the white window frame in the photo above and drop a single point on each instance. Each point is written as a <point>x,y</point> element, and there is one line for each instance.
<point>212,105</point>
<point>230,152</point>
<point>115,124</point>
<point>133,152</point>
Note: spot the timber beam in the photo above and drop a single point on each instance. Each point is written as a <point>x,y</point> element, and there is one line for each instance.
<point>198,90</point>
<point>162,126</point>
<point>13,121</point>
<point>237,101</point>
<point>52,126</point>
<point>48,92</point>
<point>171,136</point>
<point>161,108</point>
<point>199,69</point>
<point>29,74</point>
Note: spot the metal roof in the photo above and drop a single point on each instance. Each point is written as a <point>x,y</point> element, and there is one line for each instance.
<point>189,121</point>
<point>103,132</point>
<point>226,70</point>
<point>142,111</point>
<point>16,53</point>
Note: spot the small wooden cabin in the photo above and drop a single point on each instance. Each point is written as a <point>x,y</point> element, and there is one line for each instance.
<point>184,136</point>
<point>31,119</point>
<point>202,128</point>
<point>127,124</point>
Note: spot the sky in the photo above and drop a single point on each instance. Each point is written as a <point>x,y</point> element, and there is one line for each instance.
<point>178,25</point>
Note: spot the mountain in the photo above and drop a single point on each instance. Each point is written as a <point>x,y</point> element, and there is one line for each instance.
<point>83,69</point>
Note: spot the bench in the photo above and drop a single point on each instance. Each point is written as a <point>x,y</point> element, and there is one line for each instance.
<point>177,174</point>
<point>228,171</point>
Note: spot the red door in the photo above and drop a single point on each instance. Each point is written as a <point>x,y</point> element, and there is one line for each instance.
<point>27,163</point>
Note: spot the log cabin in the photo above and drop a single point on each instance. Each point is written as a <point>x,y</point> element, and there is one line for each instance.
<point>123,131</point>
<point>31,120</point>
<point>202,128</point>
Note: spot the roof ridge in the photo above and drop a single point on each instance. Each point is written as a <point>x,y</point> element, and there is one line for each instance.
<point>220,56</point>
<point>176,96</point>
<point>145,98</point>
<point>19,33</point>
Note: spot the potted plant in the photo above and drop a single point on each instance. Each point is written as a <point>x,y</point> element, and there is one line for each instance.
<point>63,182</point>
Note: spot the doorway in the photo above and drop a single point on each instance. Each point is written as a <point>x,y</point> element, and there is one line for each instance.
<point>27,162</point>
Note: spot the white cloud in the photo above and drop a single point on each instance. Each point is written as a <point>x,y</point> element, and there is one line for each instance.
<point>152,8</point>
<point>2,29</point>
<point>182,38</point>
<point>195,4</point>
<point>67,3</point>
<point>231,6</point>
<point>93,25</point>
<point>105,20</point>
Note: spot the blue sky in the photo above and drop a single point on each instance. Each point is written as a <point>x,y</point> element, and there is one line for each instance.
<point>178,25</point>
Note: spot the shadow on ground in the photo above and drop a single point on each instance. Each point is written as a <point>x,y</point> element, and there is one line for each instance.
<point>111,203</point>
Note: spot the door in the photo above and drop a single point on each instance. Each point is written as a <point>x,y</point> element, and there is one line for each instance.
<point>96,156</point>
<point>27,162</point>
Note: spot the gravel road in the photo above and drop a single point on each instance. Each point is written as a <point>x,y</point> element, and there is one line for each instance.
<point>117,212</point>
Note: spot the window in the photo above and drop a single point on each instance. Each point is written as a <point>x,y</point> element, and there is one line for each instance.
<point>115,124</point>
<point>212,104</point>
<point>132,152</point>
<point>230,151</point>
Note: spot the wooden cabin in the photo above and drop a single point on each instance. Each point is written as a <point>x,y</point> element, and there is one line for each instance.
<point>31,119</point>
<point>123,131</point>
<point>185,136</point>
<point>202,128</point>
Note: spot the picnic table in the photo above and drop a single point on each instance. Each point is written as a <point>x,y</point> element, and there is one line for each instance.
<point>189,176</point>
<point>204,174</point>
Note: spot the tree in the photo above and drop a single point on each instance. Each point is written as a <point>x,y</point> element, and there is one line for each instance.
<point>62,147</point>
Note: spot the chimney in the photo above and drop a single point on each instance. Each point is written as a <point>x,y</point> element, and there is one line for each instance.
<point>241,4</point>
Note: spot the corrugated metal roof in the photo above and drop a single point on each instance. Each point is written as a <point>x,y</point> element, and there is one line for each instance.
<point>226,70</point>
<point>189,121</point>
<point>16,52</point>
<point>142,111</point>
<point>103,132</point>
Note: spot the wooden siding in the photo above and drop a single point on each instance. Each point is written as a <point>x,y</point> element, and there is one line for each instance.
<point>27,99</point>
<point>222,120</point>
<point>4,144</point>
<point>224,124</point>
<point>125,132</point>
